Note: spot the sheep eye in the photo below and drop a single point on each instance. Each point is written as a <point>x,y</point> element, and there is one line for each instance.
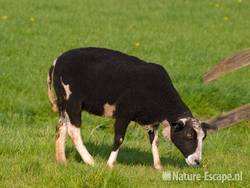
<point>189,135</point>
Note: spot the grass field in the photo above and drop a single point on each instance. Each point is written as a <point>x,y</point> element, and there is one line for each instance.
<point>186,37</point>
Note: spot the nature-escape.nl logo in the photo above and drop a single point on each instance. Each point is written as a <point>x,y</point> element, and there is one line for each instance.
<point>206,176</point>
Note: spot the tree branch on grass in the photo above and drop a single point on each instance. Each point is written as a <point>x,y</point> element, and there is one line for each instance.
<point>230,118</point>
<point>227,65</point>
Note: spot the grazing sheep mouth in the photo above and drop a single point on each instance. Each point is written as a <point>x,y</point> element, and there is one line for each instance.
<point>192,162</point>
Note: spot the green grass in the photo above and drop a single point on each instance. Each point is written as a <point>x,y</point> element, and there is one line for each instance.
<point>186,37</point>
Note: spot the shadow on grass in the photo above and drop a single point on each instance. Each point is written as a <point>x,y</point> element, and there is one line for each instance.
<point>127,156</point>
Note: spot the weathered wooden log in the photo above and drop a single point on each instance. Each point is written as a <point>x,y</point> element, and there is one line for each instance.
<point>227,65</point>
<point>229,118</point>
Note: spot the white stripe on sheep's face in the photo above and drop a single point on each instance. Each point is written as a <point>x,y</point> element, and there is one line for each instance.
<point>187,134</point>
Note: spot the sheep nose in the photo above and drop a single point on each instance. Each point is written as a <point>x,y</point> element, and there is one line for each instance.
<point>197,162</point>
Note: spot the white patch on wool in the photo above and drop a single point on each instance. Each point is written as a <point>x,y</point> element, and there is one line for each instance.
<point>112,158</point>
<point>75,134</point>
<point>108,110</point>
<point>60,141</point>
<point>155,152</point>
<point>66,89</point>
<point>197,155</point>
<point>54,62</point>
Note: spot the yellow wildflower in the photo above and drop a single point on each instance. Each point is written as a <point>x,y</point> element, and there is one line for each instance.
<point>226,18</point>
<point>4,17</point>
<point>32,19</point>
